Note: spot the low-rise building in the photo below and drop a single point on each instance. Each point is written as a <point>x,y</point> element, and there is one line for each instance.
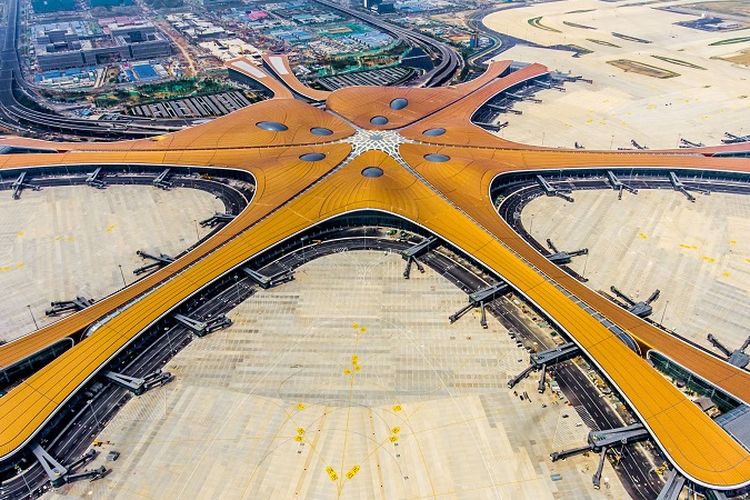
<point>59,47</point>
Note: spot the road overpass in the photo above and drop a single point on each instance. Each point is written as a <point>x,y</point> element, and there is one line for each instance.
<point>23,119</point>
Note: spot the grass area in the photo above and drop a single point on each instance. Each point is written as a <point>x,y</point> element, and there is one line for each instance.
<point>579,51</point>
<point>576,25</point>
<point>742,57</point>
<point>678,62</point>
<point>537,23</point>
<point>631,66</point>
<point>629,38</point>
<point>162,91</point>
<point>383,57</point>
<point>603,42</point>
<point>730,41</point>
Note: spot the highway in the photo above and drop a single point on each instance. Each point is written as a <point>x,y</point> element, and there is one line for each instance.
<point>449,60</point>
<point>475,21</point>
<point>16,116</point>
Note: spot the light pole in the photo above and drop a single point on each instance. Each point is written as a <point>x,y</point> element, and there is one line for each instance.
<point>23,476</point>
<point>197,233</point>
<point>94,413</point>
<point>36,325</point>
<point>585,263</point>
<point>122,275</point>
<point>663,313</point>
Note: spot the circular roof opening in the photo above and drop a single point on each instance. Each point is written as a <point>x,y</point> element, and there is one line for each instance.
<point>434,132</point>
<point>312,156</point>
<point>378,120</point>
<point>399,103</point>
<point>272,126</point>
<point>372,172</point>
<point>321,131</point>
<point>436,157</point>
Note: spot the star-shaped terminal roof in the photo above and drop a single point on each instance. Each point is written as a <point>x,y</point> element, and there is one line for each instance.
<point>436,169</point>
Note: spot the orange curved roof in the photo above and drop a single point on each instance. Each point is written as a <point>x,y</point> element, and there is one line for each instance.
<point>245,66</point>
<point>279,175</point>
<point>450,199</point>
<point>456,119</point>
<point>361,104</point>
<point>280,66</point>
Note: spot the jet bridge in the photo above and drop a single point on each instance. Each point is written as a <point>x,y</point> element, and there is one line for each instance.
<point>734,139</point>
<point>55,470</point>
<point>560,258</point>
<point>540,360</point>
<point>157,261</point>
<point>479,299</point>
<point>504,109</point>
<point>601,441</point>
<point>677,185</point>
<point>20,184</point>
<point>138,385</point>
<point>618,185</point>
<point>495,127</point>
<point>203,327</point>
<point>91,475</point>
<point>550,190</point>
<point>161,180</point>
<point>684,143</point>
<point>271,281</point>
<point>417,250</point>
<point>63,306</point>
<point>641,309</point>
<point>217,219</point>
<point>96,179</point>
<point>520,97</point>
<point>737,357</point>
<point>673,487</point>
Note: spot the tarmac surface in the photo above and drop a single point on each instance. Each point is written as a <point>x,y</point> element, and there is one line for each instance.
<point>699,105</point>
<point>61,242</point>
<point>697,254</point>
<point>348,382</point>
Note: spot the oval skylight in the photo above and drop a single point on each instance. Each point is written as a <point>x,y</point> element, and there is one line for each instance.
<point>437,157</point>
<point>399,103</point>
<point>312,156</point>
<point>272,126</point>
<point>372,172</point>
<point>434,132</point>
<point>321,131</point>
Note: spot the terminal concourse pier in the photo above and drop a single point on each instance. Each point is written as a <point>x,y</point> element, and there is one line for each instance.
<point>408,158</point>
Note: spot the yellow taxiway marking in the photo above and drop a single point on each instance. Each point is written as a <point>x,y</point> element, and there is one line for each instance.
<point>332,474</point>
<point>352,472</point>
<point>12,267</point>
